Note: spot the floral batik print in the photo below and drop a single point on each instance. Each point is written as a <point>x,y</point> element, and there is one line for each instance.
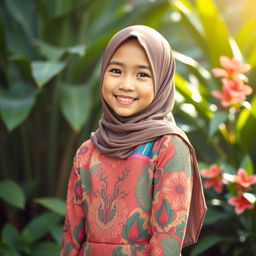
<point>176,190</point>
<point>129,207</point>
<point>108,211</point>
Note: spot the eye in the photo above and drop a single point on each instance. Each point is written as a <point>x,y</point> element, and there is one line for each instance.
<point>115,71</point>
<point>142,74</point>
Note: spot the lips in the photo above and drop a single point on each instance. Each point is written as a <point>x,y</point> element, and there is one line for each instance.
<point>123,99</point>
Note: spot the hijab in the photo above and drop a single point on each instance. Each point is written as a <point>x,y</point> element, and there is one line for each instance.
<point>118,136</point>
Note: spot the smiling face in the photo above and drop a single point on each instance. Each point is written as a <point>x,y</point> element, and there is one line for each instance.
<point>127,85</point>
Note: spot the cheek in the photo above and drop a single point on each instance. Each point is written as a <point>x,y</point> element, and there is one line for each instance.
<point>105,87</point>
<point>150,95</point>
<point>104,92</point>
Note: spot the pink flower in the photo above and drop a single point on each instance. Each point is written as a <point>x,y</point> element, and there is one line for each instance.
<point>240,203</point>
<point>243,179</point>
<point>233,92</point>
<point>216,183</point>
<point>233,68</point>
<point>214,178</point>
<point>213,172</point>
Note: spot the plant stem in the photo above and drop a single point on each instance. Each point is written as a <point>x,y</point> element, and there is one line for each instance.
<point>26,155</point>
<point>52,139</point>
<point>3,166</point>
<point>66,164</point>
<point>38,142</point>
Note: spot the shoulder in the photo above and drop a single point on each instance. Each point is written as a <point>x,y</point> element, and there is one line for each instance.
<point>83,154</point>
<point>173,154</point>
<point>86,146</point>
<point>170,142</point>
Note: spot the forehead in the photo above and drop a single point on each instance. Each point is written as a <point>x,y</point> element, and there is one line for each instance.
<point>131,50</point>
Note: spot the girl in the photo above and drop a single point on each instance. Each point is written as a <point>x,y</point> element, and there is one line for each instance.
<point>134,188</point>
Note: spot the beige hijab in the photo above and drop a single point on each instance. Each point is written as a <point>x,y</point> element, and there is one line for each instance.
<point>118,136</point>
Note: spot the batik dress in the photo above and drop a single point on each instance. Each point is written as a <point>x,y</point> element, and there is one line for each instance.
<point>134,206</point>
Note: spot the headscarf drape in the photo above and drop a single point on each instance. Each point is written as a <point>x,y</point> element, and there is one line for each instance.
<point>118,136</point>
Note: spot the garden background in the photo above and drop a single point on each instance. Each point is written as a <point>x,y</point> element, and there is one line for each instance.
<point>49,68</point>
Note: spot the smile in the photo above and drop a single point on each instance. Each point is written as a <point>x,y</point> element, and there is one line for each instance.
<point>125,99</point>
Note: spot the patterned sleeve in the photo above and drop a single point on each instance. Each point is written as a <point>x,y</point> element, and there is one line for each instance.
<point>74,225</point>
<point>171,197</point>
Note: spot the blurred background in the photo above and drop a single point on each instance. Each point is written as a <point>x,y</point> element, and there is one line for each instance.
<point>50,52</point>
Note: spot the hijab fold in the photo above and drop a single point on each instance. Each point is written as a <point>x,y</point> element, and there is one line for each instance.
<point>118,136</point>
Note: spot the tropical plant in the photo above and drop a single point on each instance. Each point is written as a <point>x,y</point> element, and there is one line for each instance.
<point>219,115</point>
<point>49,104</point>
<point>29,238</point>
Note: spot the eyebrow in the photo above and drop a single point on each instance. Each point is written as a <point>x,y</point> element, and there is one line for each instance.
<point>121,64</point>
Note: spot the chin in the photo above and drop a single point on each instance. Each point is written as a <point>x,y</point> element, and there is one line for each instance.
<point>122,114</point>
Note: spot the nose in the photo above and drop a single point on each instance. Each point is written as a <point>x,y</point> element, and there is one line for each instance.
<point>126,83</point>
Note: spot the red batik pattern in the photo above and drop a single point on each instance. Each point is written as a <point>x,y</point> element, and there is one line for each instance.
<point>135,206</point>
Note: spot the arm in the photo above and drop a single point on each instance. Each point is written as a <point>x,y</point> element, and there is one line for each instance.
<point>173,183</point>
<point>74,226</point>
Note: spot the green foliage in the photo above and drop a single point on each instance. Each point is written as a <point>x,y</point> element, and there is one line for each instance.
<point>206,243</point>
<point>49,103</point>
<point>27,241</point>
<point>53,204</point>
<point>43,71</point>
<point>75,99</point>
<point>16,104</point>
<point>245,127</point>
<point>11,192</point>
<point>219,118</point>
<point>229,134</point>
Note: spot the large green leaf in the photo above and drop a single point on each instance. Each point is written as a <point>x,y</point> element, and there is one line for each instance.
<point>11,193</point>
<point>54,204</point>
<point>217,35</point>
<point>10,236</point>
<point>215,30</point>
<point>251,59</point>
<point>15,107</point>
<point>219,118</point>
<point>22,13</point>
<point>102,17</point>
<point>20,21</point>
<point>62,7</point>
<point>237,54</point>
<point>45,248</point>
<point>81,69</point>
<point>245,127</point>
<point>54,53</point>
<point>206,242</point>
<point>247,164</point>
<point>77,49</point>
<point>6,250</point>
<point>190,20</point>
<point>214,216</point>
<point>76,104</point>
<point>40,226</point>
<point>246,37</point>
<point>56,232</point>
<point>44,71</point>
<point>201,73</point>
<point>200,105</point>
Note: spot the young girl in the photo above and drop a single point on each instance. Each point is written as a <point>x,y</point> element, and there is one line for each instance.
<point>134,188</point>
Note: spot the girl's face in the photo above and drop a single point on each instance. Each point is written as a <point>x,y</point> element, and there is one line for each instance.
<point>127,85</point>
